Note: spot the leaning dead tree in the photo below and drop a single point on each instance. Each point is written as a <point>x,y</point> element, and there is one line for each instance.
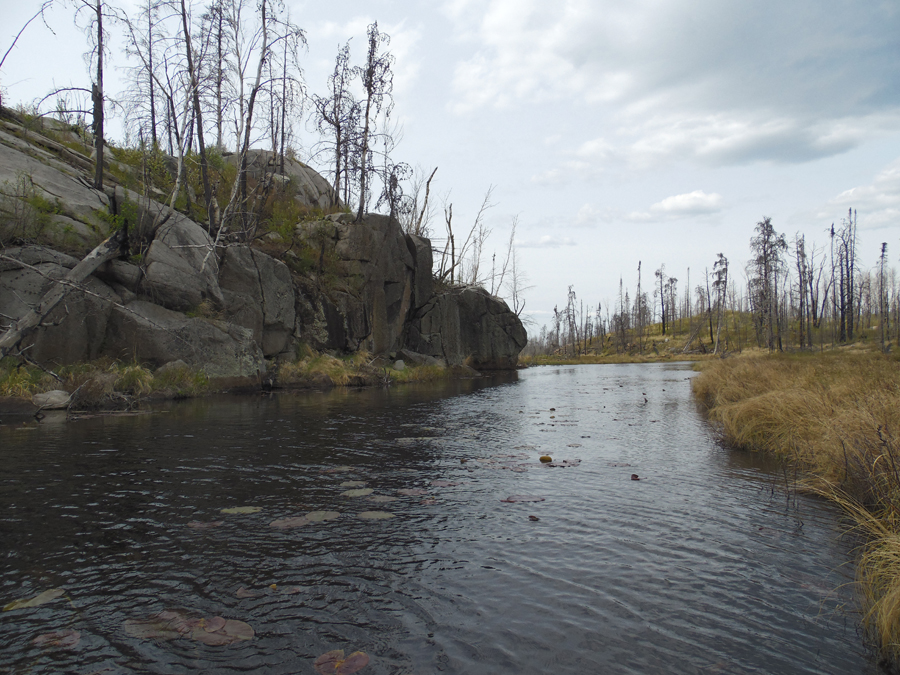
<point>31,321</point>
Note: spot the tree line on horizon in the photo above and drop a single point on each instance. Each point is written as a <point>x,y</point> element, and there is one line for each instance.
<point>792,295</point>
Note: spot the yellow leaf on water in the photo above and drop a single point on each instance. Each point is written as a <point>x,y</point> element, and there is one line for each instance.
<point>41,599</point>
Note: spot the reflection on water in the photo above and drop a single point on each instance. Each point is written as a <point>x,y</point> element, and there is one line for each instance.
<point>702,566</point>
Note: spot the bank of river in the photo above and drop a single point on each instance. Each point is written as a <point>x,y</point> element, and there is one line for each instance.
<point>704,565</point>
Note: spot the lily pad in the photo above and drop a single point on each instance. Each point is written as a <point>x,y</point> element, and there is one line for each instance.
<point>286,523</point>
<point>217,631</point>
<point>204,524</point>
<point>334,663</point>
<point>320,516</point>
<point>40,599</point>
<point>381,499</point>
<point>162,626</point>
<point>64,639</point>
<point>242,510</point>
<point>412,492</point>
<point>376,515</point>
<point>361,492</point>
<point>169,625</point>
<point>522,498</point>
<point>353,483</point>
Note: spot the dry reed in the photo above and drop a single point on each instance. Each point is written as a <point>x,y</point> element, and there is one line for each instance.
<point>836,415</point>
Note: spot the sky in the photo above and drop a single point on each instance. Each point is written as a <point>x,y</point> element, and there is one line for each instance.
<point>656,132</point>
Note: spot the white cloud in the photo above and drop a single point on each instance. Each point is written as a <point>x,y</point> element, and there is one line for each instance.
<point>878,204</point>
<point>689,204</point>
<point>701,79</point>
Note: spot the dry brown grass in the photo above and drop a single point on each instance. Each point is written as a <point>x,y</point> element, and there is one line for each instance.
<point>837,416</point>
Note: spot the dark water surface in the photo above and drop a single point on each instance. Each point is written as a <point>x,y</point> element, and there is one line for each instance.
<point>704,566</point>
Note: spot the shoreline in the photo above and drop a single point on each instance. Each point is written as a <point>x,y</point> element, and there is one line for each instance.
<point>835,417</point>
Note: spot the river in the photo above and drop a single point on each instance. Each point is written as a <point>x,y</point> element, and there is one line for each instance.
<point>706,564</point>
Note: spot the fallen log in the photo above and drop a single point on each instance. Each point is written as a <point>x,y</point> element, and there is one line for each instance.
<point>107,250</point>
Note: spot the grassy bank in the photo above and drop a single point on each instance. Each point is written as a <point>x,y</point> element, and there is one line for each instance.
<point>102,384</point>
<point>836,415</point>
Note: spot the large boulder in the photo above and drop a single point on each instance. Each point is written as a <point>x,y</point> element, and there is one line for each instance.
<point>75,329</point>
<point>309,188</point>
<point>259,295</point>
<point>155,335</point>
<point>374,288</point>
<point>180,268</point>
<point>468,326</point>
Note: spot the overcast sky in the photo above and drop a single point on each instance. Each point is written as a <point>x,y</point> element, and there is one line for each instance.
<point>657,131</point>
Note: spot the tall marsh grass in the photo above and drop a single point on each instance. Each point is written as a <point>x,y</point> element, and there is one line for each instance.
<point>836,415</point>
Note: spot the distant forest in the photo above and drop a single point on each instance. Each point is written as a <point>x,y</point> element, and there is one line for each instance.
<point>790,295</point>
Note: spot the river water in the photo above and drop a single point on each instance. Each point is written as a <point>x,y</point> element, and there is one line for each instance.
<point>704,565</point>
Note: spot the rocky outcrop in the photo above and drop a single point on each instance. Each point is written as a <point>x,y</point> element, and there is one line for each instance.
<point>181,270</point>
<point>149,333</point>
<point>369,305</point>
<point>226,309</point>
<point>468,326</point>
<point>75,330</point>
<point>307,185</point>
<point>259,295</point>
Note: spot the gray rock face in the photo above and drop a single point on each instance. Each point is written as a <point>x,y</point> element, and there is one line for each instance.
<point>180,269</point>
<point>259,295</point>
<point>158,336</point>
<point>377,280</point>
<point>311,189</point>
<point>468,326</point>
<point>75,329</point>
<point>420,249</point>
<point>74,221</point>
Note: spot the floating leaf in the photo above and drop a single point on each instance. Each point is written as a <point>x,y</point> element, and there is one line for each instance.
<point>634,476</point>
<point>213,624</point>
<point>361,492</point>
<point>242,509</point>
<point>376,515</point>
<point>292,590</point>
<point>285,523</point>
<point>244,593</point>
<point>334,663</point>
<point>428,502</point>
<point>412,492</point>
<point>217,631</point>
<point>64,639</point>
<point>161,626</point>
<point>204,524</point>
<point>522,498</point>
<point>381,499</point>
<point>546,459</point>
<point>319,516</point>
<point>41,599</point>
<point>353,483</point>
<point>533,519</point>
